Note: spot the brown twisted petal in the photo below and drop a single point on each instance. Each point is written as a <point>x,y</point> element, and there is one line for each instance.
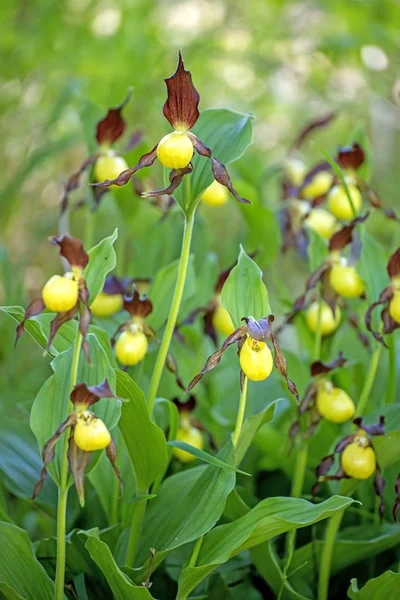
<point>215,358</point>
<point>137,306</point>
<point>49,450</point>
<point>351,157</point>
<point>172,367</point>
<point>181,106</point>
<point>379,485</point>
<point>393,267</point>
<point>344,236</point>
<point>78,460</point>
<point>320,368</point>
<point>312,126</point>
<point>59,320</point>
<point>73,181</point>
<point>111,452</point>
<point>396,506</point>
<point>35,308</point>
<point>110,128</point>
<point>219,170</point>
<point>281,365</point>
<point>385,296</point>
<point>83,394</point>
<point>144,161</point>
<point>175,178</point>
<point>71,248</point>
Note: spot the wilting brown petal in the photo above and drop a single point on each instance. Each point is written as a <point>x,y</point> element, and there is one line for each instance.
<point>325,465</point>
<point>35,308</point>
<point>111,452</point>
<point>59,320</point>
<point>308,399</point>
<point>185,407</point>
<point>219,170</point>
<point>389,324</point>
<point>111,128</point>
<point>376,429</point>
<point>83,394</point>
<point>73,181</point>
<point>145,161</point>
<point>78,461</point>
<point>215,358</point>
<point>71,248</point>
<point>281,365</point>
<point>351,157</point>
<point>379,485</point>
<point>137,306</point>
<point>172,366</point>
<point>312,126</point>
<point>209,328</point>
<point>397,502</point>
<point>175,178</point>
<point>320,368</point>
<point>393,267</point>
<point>344,236</point>
<point>49,450</point>
<point>181,106</point>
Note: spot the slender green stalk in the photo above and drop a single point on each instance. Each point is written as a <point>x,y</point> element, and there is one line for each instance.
<point>139,510</point>
<point>327,551</point>
<point>392,383</point>
<point>196,551</point>
<point>373,366</point>
<point>240,415</point>
<point>173,314</point>
<point>63,488</point>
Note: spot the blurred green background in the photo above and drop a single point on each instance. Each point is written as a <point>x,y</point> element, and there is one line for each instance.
<point>285,62</point>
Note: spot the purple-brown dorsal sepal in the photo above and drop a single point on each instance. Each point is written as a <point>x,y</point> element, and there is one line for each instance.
<point>111,452</point>
<point>85,396</point>
<point>393,266</point>
<point>374,429</point>
<point>320,368</point>
<point>114,286</point>
<point>344,236</point>
<point>181,107</point>
<point>35,308</point>
<point>113,125</point>
<point>351,157</point>
<point>172,367</point>
<point>219,170</point>
<point>260,330</point>
<point>144,161</point>
<point>71,248</point>
<point>175,178</point>
<point>78,460</point>
<point>137,306</point>
<point>215,358</point>
<point>59,320</point>
<point>74,180</point>
<point>313,125</point>
<point>185,407</point>
<point>49,450</point>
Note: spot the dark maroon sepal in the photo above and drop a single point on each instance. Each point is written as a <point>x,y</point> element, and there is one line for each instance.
<point>85,395</point>
<point>71,248</point>
<point>351,157</point>
<point>181,107</point>
<point>35,308</point>
<point>137,306</point>
<point>113,125</point>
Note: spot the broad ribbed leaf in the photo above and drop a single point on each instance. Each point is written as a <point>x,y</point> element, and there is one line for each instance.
<point>102,260</point>
<point>121,586</point>
<point>269,518</point>
<point>20,572</point>
<point>144,440</point>
<point>244,293</point>
<point>204,456</point>
<point>384,587</point>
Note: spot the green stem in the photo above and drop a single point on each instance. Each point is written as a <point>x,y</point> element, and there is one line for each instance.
<point>240,415</point>
<point>173,314</point>
<point>391,394</point>
<point>63,488</point>
<point>327,551</point>
<point>373,366</point>
<point>196,552</point>
<point>139,510</point>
